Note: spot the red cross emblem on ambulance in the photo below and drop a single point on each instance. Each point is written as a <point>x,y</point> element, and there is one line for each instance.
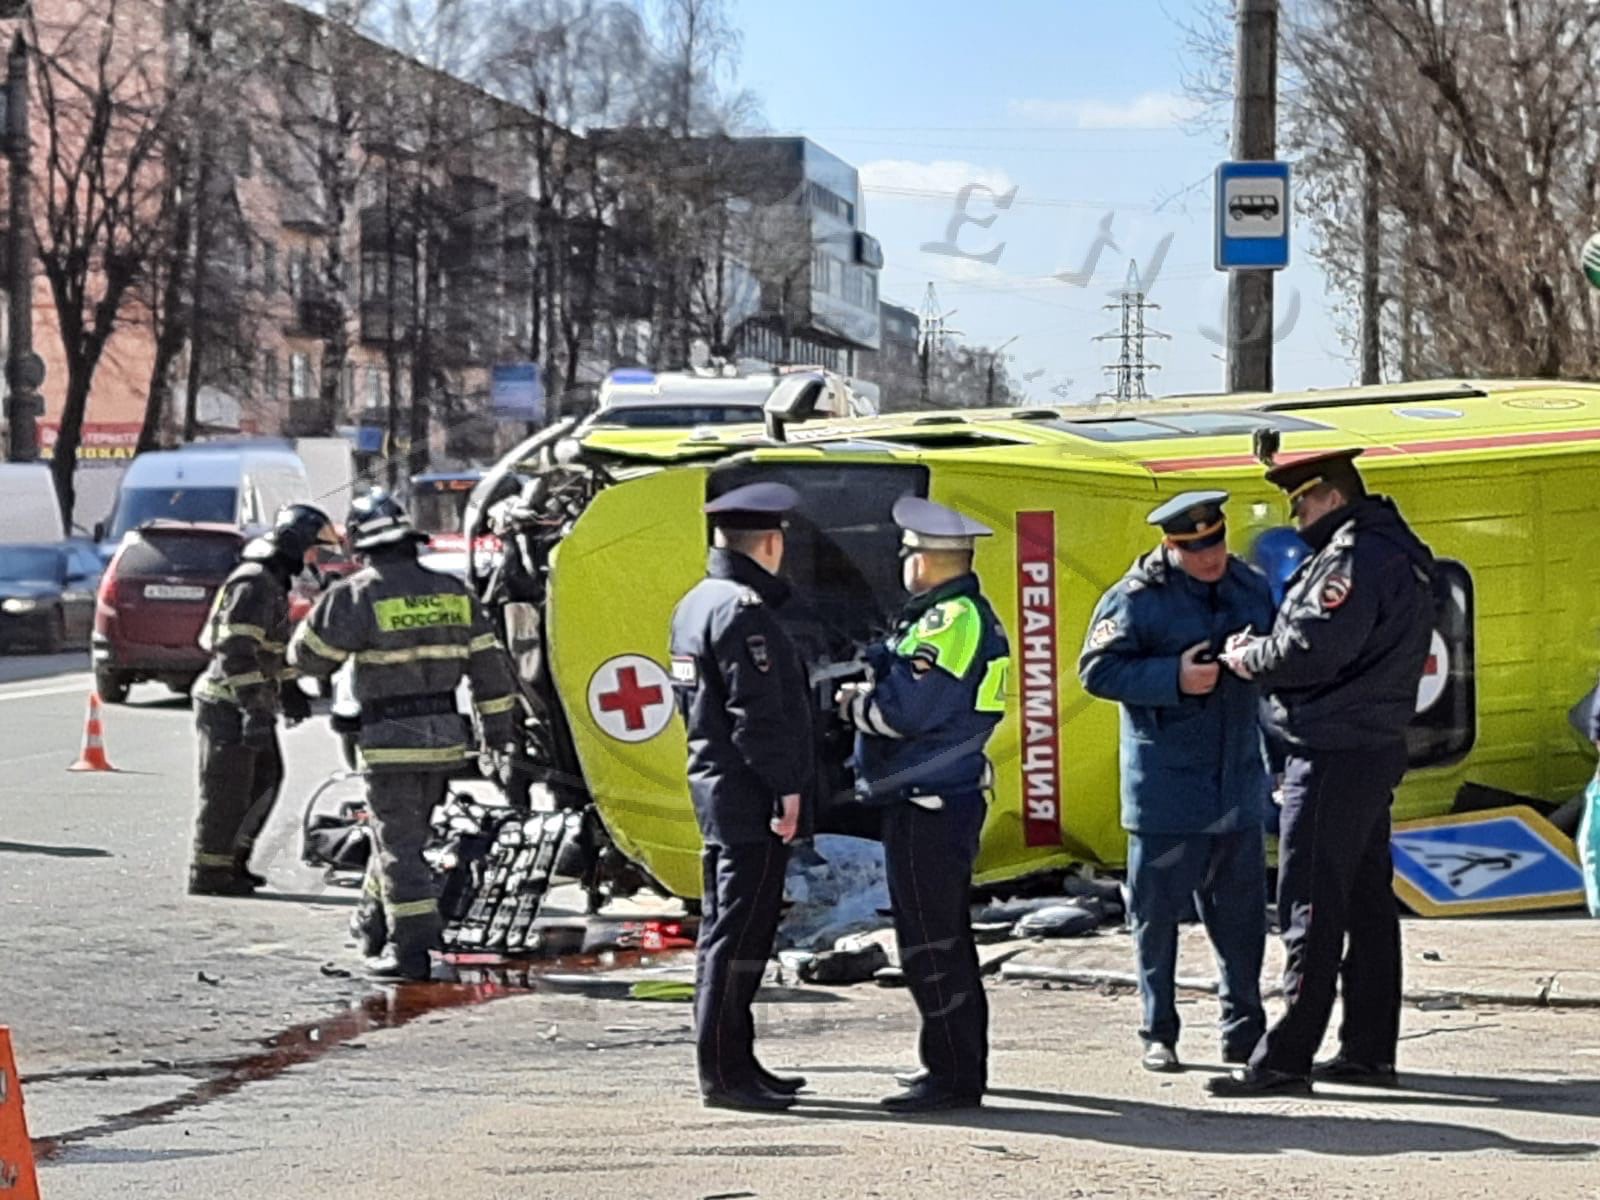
<point>630,698</point>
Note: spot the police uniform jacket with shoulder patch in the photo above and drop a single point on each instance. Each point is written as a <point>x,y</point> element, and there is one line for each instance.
<point>410,635</point>
<point>741,689</point>
<point>938,691</point>
<point>1347,651</point>
<point>1190,764</point>
<point>246,633</point>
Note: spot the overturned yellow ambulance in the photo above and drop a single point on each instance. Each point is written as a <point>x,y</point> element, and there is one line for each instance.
<point>603,532</point>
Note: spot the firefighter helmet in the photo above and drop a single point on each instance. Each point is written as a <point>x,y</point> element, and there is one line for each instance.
<point>378,519</point>
<point>295,530</point>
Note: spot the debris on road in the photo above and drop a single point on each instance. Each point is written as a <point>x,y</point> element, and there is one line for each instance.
<point>202,977</point>
<point>836,891</point>
<point>853,964</point>
<point>1080,918</point>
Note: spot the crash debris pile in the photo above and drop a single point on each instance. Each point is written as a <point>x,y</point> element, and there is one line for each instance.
<point>497,864</point>
<point>836,930</point>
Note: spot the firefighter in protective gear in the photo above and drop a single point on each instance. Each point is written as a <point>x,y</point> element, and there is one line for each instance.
<point>238,699</point>
<point>938,691</point>
<point>409,635</point>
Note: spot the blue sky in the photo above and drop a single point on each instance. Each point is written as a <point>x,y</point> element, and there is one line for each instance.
<point>1079,106</point>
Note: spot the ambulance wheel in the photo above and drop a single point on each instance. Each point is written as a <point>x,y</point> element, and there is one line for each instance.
<point>113,688</point>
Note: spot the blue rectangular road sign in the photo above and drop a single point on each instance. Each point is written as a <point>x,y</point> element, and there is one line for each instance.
<point>1500,860</point>
<point>1252,216</point>
<point>516,392</point>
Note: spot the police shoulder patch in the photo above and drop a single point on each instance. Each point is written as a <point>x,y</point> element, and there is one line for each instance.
<point>1104,633</point>
<point>756,644</point>
<point>1335,591</point>
<point>938,617</point>
<point>1134,585</point>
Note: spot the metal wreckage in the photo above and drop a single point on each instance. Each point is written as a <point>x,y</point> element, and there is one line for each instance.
<point>601,531</point>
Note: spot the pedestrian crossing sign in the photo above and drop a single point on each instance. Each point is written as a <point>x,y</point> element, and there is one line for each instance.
<point>1500,860</point>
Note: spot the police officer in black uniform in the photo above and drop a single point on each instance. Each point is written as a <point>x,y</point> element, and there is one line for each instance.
<point>922,723</point>
<point>742,690</point>
<point>1341,666</point>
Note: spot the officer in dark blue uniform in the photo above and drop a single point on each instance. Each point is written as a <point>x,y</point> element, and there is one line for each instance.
<point>1341,666</point>
<point>937,691</point>
<point>1194,771</point>
<point>742,690</point>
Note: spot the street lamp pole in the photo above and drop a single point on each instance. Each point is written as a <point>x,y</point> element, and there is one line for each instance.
<point>24,368</point>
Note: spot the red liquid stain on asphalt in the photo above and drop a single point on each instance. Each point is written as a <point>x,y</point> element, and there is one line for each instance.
<point>301,1044</point>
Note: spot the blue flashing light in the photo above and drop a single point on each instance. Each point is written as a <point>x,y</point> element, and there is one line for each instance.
<point>631,375</point>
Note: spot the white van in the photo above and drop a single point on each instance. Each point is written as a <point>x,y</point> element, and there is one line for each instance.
<point>331,468</point>
<point>29,510</point>
<point>232,483</point>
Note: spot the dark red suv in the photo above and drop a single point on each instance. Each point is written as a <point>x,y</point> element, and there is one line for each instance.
<point>153,602</point>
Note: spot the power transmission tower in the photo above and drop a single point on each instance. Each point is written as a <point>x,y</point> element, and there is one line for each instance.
<point>932,331</point>
<point>1132,366</point>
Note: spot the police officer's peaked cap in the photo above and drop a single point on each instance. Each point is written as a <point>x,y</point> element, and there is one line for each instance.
<point>753,506</point>
<point>930,526</point>
<point>1192,521</point>
<point>1336,467</point>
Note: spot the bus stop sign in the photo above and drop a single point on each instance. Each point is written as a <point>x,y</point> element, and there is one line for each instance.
<point>1252,216</point>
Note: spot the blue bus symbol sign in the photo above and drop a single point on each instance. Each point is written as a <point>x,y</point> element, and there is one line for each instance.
<point>1252,216</point>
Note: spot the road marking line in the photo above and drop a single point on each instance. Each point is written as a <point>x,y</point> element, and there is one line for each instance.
<point>84,684</point>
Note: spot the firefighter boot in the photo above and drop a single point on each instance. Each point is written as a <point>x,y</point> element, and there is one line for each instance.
<point>218,881</point>
<point>241,868</point>
<point>370,928</point>
<point>415,934</point>
<point>412,963</point>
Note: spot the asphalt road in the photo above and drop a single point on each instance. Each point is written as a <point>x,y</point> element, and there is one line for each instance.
<point>213,1048</point>
<point>15,667</point>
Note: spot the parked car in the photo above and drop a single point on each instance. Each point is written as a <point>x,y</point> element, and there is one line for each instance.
<point>241,484</point>
<point>46,596</point>
<point>154,600</point>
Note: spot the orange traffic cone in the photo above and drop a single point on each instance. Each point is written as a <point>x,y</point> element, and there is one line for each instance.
<point>17,1176</point>
<point>93,755</point>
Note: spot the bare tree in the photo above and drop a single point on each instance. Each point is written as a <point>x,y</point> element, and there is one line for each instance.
<point>100,82</point>
<point>1446,156</point>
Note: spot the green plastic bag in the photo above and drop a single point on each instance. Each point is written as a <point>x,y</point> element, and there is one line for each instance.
<point>1589,845</point>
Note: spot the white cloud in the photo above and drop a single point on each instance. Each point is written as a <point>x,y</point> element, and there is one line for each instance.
<point>1150,110</point>
<point>890,176</point>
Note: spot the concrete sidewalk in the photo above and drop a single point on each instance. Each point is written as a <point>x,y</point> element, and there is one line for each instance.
<point>1528,960</point>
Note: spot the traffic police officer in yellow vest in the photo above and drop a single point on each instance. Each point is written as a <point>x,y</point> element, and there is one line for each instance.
<point>238,699</point>
<point>410,635</point>
<point>922,723</point>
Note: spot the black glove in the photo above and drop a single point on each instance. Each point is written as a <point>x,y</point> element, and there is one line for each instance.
<point>296,704</point>
<point>256,729</point>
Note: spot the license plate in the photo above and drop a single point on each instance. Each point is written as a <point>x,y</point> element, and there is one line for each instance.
<point>173,591</point>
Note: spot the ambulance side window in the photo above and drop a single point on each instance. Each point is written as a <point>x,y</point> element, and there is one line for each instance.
<point>841,553</point>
